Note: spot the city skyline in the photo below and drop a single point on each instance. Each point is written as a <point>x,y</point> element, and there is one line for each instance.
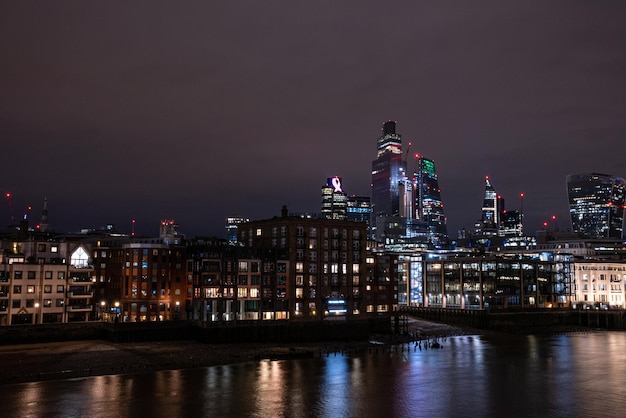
<point>153,111</point>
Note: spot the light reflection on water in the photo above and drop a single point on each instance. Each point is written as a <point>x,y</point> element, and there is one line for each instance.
<point>559,376</point>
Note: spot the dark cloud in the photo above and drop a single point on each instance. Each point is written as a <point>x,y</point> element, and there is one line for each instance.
<point>148,110</point>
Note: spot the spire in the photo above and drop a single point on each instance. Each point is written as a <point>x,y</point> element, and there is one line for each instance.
<point>43,225</point>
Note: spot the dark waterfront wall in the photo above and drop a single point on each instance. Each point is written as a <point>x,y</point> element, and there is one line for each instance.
<point>232,332</point>
<point>523,321</point>
<point>41,333</point>
<point>474,318</point>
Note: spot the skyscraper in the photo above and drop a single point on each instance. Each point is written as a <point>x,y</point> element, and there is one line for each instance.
<point>490,219</point>
<point>495,219</point>
<point>596,204</point>
<point>387,173</point>
<point>404,207</point>
<point>334,199</point>
<point>428,201</point>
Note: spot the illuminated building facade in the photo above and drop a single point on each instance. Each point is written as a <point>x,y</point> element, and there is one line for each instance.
<point>388,171</point>
<point>232,223</point>
<point>496,221</point>
<point>226,282</point>
<point>43,280</point>
<point>596,204</point>
<point>334,199</point>
<point>142,280</point>
<point>429,204</point>
<point>359,209</point>
<point>599,284</point>
<point>488,224</point>
<point>328,270</point>
<point>405,209</point>
<point>479,282</point>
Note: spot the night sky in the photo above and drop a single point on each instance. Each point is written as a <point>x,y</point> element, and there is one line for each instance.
<point>198,110</point>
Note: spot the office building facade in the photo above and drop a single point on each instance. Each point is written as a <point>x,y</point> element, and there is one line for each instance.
<point>596,203</point>
<point>334,199</point>
<point>388,172</point>
<point>428,201</point>
<point>326,271</point>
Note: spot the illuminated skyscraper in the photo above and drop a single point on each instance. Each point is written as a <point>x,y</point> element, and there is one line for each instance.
<point>596,204</point>
<point>490,219</point>
<point>387,173</point>
<point>404,207</point>
<point>428,201</point>
<point>334,200</point>
<point>495,219</point>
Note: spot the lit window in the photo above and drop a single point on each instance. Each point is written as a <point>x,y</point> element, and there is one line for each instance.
<point>80,258</point>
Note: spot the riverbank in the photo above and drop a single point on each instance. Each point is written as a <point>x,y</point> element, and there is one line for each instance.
<point>71,359</point>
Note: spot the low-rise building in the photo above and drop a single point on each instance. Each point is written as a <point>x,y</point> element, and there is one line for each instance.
<point>45,279</point>
<point>325,268</point>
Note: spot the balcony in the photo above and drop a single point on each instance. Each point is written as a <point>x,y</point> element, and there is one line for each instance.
<point>81,280</point>
<point>81,268</point>
<point>80,308</point>
<point>81,294</point>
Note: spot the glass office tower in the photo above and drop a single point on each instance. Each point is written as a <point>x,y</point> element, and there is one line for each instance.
<point>429,203</point>
<point>596,204</point>
<point>388,170</point>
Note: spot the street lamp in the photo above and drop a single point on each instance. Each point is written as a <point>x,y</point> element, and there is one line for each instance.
<point>36,311</point>
<point>102,305</point>
<point>117,311</point>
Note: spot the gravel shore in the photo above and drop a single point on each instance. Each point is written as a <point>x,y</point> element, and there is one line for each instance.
<point>62,360</point>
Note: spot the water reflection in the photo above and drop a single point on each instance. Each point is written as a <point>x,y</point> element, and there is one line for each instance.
<point>578,375</point>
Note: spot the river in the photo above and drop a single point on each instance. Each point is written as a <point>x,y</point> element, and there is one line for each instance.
<point>577,375</point>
